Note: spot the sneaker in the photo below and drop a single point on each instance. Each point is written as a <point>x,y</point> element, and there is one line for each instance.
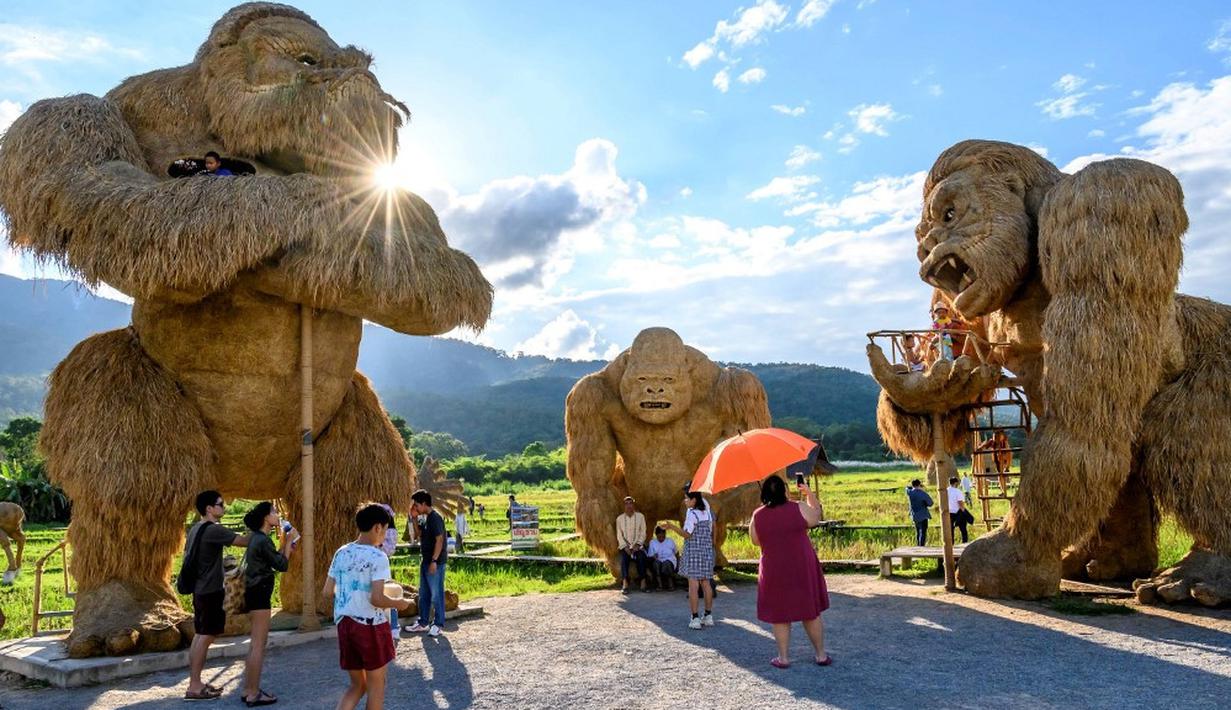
<point>708,620</point>
<point>434,631</point>
<point>416,628</point>
<point>695,623</point>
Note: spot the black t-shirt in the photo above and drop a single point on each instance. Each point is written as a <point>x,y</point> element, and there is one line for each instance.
<point>209,555</point>
<point>432,529</point>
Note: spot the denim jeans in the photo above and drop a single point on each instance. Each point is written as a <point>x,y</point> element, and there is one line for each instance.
<point>921,532</point>
<point>638,558</point>
<point>432,594</point>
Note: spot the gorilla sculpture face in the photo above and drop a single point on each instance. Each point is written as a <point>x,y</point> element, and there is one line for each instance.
<point>279,89</point>
<point>657,385</point>
<point>975,240</point>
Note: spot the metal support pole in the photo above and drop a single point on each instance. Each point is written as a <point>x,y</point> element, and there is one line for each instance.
<point>308,620</point>
<point>942,464</point>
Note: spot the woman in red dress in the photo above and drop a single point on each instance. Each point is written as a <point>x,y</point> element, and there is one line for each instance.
<point>791,586</point>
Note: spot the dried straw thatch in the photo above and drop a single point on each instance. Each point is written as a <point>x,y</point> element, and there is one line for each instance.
<point>641,426</point>
<point>1132,382</point>
<point>203,391</point>
<point>11,519</point>
<point>448,496</point>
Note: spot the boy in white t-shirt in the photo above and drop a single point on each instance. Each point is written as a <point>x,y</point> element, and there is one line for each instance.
<point>356,582</point>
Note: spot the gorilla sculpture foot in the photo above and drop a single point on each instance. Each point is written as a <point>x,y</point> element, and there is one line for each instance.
<point>119,618</point>
<point>1202,576</point>
<point>997,565</point>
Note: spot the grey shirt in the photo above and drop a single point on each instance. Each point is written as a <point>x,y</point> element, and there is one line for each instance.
<point>209,554</point>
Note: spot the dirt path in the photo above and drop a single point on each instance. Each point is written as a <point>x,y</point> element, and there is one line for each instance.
<point>888,639</point>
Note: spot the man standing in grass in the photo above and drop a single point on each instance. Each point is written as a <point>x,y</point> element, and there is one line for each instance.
<point>434,553</point>
<point>356,582</point>
<point>920,501</point>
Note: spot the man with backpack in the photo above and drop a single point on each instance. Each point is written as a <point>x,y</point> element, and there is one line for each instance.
<point>201,575</point>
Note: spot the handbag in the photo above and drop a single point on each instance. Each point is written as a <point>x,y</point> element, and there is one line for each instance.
<point>233,586</point>
<point>186,580</point>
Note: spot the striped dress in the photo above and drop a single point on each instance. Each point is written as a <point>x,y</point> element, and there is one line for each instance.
<point>698,558</point>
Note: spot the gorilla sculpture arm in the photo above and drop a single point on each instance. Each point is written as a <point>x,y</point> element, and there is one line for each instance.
<point>1110,250</point>
<point>592,461</point>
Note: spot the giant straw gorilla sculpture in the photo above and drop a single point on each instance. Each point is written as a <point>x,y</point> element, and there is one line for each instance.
<point>642,424</point>
<point>202,390</point>
<point>1131,381</point>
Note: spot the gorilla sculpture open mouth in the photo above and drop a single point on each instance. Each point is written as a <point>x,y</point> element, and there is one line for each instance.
<point>953,275</point>
<point>655,405</point>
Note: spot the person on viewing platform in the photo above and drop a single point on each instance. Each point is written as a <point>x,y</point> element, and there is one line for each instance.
<point>630,536</point>
<point>213,165</point>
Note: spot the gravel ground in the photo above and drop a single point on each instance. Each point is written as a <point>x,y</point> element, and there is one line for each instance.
<point>896,644</point>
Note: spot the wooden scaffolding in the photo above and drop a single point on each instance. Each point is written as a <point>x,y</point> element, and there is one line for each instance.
<point>991,464</point>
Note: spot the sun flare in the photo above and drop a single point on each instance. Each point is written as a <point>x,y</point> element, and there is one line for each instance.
<point>389,176</point>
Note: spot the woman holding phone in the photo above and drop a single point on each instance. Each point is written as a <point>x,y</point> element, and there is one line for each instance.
<point>790,585</point>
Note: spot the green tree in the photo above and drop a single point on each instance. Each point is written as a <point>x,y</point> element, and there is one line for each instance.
<point>23,473</point>
<point>535,448</point>
<point>403,428</point>
<point>441,446</point>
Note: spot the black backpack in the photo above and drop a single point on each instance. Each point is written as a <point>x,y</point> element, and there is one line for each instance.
<point>186,582</point>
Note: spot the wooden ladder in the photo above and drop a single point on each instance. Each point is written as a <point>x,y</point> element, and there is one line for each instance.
<point>39,614</point>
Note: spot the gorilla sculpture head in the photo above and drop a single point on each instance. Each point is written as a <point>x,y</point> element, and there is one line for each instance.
<point>278,88</point>
<point>978,231</point>
<point>657,386</point>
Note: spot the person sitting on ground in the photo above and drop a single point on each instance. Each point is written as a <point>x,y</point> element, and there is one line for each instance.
<point>663,559</point>
<point>213,165</point>
<point>356,581</point>
<point>920,503</point>
<point>630,536</point>
<point>209,617</point>
<point>263,561</point>
<point>958,515</point>
<point>790,584</point>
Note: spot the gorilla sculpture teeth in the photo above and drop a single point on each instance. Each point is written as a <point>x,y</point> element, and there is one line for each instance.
<point>202,391</point>
<point>1130,380</point>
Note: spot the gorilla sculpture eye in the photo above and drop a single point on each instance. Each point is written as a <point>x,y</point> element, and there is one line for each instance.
<point>949,214</point>
<point>307,60</point>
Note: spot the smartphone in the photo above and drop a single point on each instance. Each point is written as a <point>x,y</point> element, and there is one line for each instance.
<point>799,479</point>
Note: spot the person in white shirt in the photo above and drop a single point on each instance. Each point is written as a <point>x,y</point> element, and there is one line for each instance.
<point>356,582</point>
<point>966,486</point>
<point>630,536</point>
<point>957,508</point>
<point>461,529</point>
<point>663,559</point>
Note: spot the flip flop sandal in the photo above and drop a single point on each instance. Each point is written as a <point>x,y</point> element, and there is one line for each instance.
<point>206,693</point>
<point>778,663</point>
<point>262,698</point>
<point>827,662</point>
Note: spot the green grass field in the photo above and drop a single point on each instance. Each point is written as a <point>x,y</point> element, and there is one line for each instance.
<point>861,498</point>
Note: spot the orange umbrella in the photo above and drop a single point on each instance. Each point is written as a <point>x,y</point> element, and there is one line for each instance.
<point>748,457</point>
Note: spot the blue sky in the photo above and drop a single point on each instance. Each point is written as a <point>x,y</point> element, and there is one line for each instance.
<point>747,174</point>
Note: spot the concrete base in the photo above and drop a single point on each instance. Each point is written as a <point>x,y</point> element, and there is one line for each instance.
<point>44,658</point>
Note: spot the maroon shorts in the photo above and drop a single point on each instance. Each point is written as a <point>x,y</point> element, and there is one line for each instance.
<point>364,647</point>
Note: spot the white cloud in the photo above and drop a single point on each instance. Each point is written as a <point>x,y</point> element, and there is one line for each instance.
<point>1071,103</point>
<point>566,336</point>
<point>722,80</point>
<point>1068,83</point>
<point>751,23</point>
<point>1221,43</point>
<point>812,11</point>
<point>1040,149</point>
<point>793,111</point>
<point>699,54</point>
<point>27,44</point>
<point>9,111</point>
<point>800,156</point>
<point>871,118</point>
<point>1096,133</point>
<point>935,89</point>
<point>895,199</point>
<point>754,75</point>
<point>523,230</point>
<point>685,192</point>
<point>791,188</point>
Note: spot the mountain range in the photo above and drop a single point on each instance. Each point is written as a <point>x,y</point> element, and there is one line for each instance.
<point>494,402</point>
